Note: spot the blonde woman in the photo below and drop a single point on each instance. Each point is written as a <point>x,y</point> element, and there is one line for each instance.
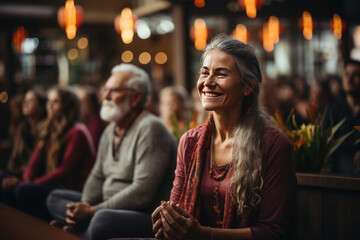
<point>63,157</point>
<point>234,177</point>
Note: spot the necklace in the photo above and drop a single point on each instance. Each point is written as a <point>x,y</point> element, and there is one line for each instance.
<point>218,178</point>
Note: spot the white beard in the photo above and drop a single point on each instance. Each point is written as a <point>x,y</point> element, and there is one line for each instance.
<point>113,113</point>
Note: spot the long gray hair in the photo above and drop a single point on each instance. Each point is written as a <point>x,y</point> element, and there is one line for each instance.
<point>246,180</point>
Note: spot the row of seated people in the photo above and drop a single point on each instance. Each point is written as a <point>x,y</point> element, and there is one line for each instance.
<point>235,171</point>
<point>134,167</point>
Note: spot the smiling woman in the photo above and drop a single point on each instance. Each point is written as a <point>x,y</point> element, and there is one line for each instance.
<point>219,83</point>
<point>234,175</point>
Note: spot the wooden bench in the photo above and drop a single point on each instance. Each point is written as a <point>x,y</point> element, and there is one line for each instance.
<point>328,206</point>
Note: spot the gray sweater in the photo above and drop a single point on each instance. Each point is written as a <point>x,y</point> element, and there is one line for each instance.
<point>143,173</point>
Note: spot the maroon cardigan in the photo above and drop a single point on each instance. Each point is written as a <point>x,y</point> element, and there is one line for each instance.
<point>75,165</point>
<point>275,218</point>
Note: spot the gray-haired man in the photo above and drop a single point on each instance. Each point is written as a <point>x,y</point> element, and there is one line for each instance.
<point>133,170</point>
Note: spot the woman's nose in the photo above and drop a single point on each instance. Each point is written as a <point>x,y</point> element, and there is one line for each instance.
<point>209,81</point>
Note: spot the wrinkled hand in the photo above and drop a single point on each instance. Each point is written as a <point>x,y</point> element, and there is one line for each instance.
<point>178,223</point>
<point>10,182</point>
<point>79,214</point>
<point>156,222</point>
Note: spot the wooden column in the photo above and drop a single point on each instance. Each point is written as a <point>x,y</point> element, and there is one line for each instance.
<point>180,48</point>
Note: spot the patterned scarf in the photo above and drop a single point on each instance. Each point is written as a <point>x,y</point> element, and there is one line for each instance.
<point>190,195</point>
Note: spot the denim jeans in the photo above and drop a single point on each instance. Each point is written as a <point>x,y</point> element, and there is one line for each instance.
<point>106,223</point>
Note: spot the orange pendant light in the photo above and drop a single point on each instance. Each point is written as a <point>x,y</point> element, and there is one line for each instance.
<point>70,17</point>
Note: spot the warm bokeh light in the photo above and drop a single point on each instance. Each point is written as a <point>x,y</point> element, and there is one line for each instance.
<point>337,26</point>
<point>270,33</point>
<point>124,25</point>
<point>70,32</point>
<point>127,36</point>
<point>18,37</point>
<point>251,7</point>
<point>240,33</point>
<point>127,56</point>
<point>73,54</point>
<point>307,25</point>
<point>70,18</point>
<point>268,42</point>
<point>200,34</point>
<point>83,43</point>
<point>161,58</point>
<point>199,3</point>
<point>144,58</point>
<point>274,28</point>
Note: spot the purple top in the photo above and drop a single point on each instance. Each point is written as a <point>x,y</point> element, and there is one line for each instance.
<point>75,165</point>
<point>276,213</point>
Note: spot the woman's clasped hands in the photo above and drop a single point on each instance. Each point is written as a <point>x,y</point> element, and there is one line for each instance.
<point>170,221</point>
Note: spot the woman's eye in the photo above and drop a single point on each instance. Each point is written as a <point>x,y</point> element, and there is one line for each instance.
<point>221,74</point>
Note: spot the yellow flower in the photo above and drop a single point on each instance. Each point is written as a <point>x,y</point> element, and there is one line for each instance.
<point>307,131</point>
<point>312,144</point>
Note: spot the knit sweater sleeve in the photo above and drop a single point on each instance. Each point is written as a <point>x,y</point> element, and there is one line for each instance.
<point>92,191</point>
<point>277,205</point>
<point>152,157</point>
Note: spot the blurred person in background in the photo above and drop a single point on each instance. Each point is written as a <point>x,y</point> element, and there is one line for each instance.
<point>320,95</point>
<point>173,104</point>
<point>235,177</point>
<point>16,115</point>
<point>267,96</point>
<point>285,95</point>
<point>301,100</point>
<point>347,107</point>
<point>153,104</point>
<point>90,112</point>
<point>293,101</point>
<point>63,156</point>
<point>134,166</point>
<point>34,111</point>
<point>336,87</point>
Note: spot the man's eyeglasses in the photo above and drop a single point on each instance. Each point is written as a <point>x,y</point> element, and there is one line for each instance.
<point>112,91</point>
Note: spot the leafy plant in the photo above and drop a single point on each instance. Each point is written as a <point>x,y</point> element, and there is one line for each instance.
<point>312,144</point>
